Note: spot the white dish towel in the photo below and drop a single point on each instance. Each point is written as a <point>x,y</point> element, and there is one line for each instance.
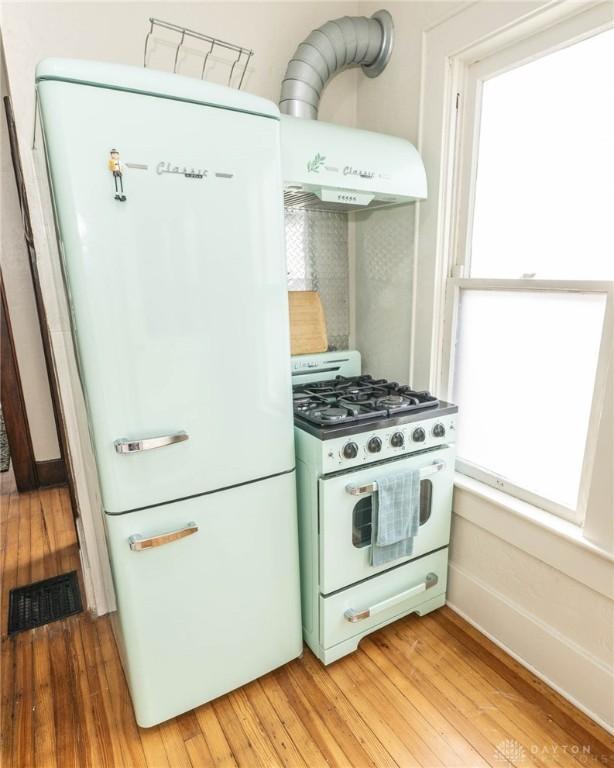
<point>396,517</point>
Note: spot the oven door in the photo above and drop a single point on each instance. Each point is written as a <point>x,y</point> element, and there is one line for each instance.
<point>345,516</point>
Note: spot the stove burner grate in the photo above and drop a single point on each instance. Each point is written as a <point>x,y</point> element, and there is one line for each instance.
<point>352,399</point>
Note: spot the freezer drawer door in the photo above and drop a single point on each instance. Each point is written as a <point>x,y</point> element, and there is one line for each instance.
<point>177,293</point>
<point>203,613</point>
<point>345,516</point>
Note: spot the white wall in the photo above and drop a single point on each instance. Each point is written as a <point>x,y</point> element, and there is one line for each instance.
<point>383,267</point>
<point>107,31</point>
<point>537,586</point>
<point>22,307</point>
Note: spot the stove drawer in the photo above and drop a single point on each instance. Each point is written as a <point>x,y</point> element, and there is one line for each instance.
<point>365,606</point>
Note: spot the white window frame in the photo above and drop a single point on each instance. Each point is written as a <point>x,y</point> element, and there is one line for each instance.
<point>468,73</point>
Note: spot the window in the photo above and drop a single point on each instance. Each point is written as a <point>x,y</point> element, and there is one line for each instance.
<point>534,263</point>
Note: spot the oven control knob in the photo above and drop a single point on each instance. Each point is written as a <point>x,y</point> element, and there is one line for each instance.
<point>397,440</point>
<point>418,435</point>
<point>374,445</point>
<point>439,430</point>
<point>350,450</point>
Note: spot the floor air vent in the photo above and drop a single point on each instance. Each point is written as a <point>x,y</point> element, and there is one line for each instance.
<point>43,602</point>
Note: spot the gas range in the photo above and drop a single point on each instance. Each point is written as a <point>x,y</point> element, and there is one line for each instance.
<point>351,431</point>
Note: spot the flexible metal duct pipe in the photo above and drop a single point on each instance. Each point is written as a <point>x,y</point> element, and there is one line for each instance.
<point>346,42</point>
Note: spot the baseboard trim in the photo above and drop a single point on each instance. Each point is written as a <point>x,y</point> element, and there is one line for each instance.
<point>574,673</point>
<point>51,472</point>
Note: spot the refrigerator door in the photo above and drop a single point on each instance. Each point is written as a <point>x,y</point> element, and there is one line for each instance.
<point>208,594</point>
<point>177,292</point>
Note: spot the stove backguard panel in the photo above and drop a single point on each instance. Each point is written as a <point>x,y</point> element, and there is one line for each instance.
<point>317,260</point>
<point>384,257</point>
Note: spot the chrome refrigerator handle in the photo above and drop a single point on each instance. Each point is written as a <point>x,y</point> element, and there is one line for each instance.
<point>138,543</point>
<point>123,445</point>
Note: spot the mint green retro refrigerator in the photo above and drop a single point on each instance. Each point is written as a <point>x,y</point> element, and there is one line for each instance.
<point>168,204</point>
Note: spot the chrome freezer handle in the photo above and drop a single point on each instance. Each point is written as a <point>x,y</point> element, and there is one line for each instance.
<point>123,445</point>
<point>356,489</point>
<point>352,615</point>
<point>138,542</point>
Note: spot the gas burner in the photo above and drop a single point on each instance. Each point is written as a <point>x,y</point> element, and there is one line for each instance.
<point>392,401</point>
<point>329,414</point>
<point>352,391</point>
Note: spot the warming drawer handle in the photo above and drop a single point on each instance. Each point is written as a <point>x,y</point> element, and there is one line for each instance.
<point>352,615</point>
<point>139,543</point>
<point>358,489</point>
<point>123,445</point>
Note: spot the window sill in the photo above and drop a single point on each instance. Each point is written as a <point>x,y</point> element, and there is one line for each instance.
<point>550,539</point>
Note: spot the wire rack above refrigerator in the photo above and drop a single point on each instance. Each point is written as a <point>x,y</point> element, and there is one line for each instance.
<point>214,50</point>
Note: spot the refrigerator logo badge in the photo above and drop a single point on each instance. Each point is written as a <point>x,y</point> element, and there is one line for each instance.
<point>182,170</point>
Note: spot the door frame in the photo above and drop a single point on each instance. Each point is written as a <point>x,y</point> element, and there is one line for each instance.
<point>14,406</point>
<point>55,471</point>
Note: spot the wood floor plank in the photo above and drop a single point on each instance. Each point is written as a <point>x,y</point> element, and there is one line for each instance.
<point>425,692</point>
<point>174,745</point>
<point>215,737</point>
<point>274,727</point>
<point>26,501</point>
<point>572,720</point>
<point>68,724</point>
<point>37,543</point>
<point>454,695</point>
<point>428,703</point>
<point>377,718</point>
<point>398,714</point>
<point>442,697</point>
<point>546,733</point>
<point>253,729</point>
<point>308,748</point>
<point>188,725</point>
<point>511,716</point>
<point>90,696</point>
<point>314,723</point>
<point>198,752</point>
<point>44,742</point>
<point>441,659</point>
<point>342,707</point>
<point>242,749</point>
<point>23,746</point>
<point>351,742</point>
<point>418,726</point>
<point>153,747</point>
<point>100,695</point>
<point>9,656</point>
<point>123,717</point>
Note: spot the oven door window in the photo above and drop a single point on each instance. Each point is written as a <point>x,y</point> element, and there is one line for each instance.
<point>363,511</point>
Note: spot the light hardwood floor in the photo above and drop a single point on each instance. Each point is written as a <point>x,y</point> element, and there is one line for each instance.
<point>421,692</point>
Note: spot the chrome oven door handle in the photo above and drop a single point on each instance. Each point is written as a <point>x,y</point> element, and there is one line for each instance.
<point>123,445</point>
<point>138,543</point>
<point>359,489</point>
<point>353,615</point>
